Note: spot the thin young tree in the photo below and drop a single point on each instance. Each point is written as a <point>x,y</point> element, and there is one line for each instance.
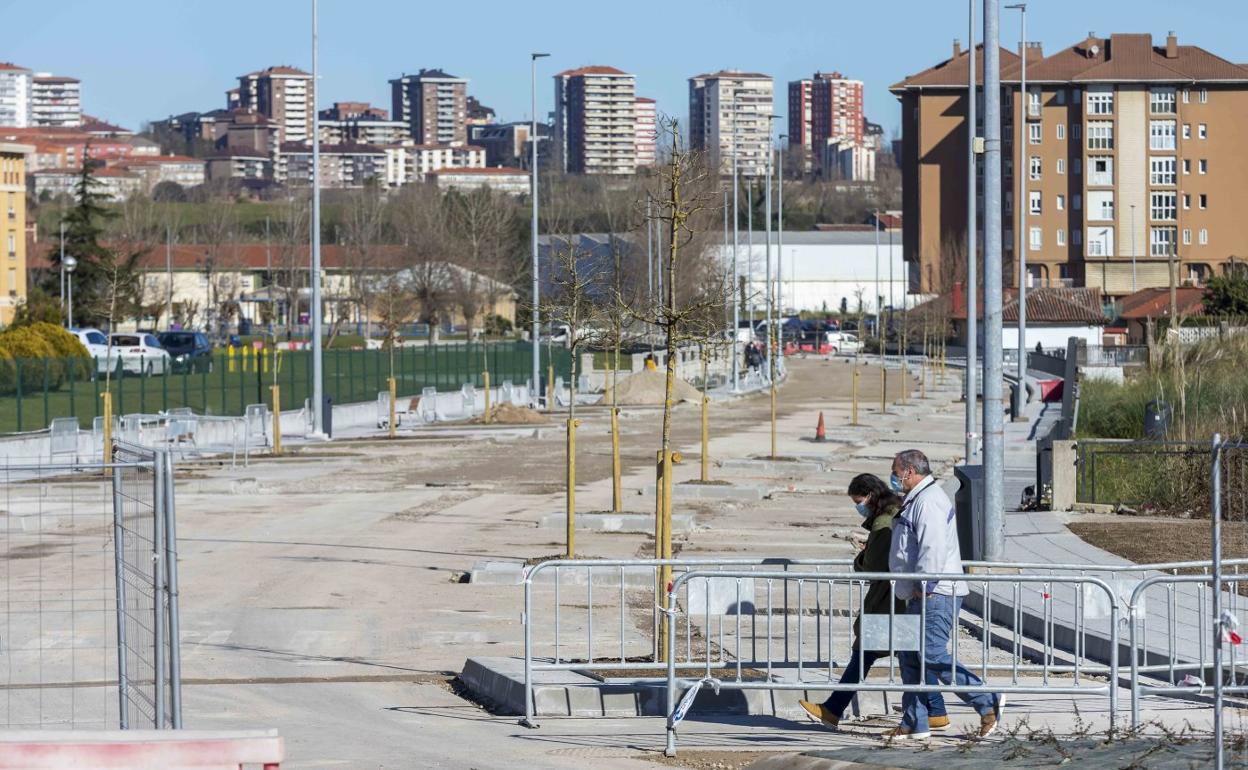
<point>576,287</point>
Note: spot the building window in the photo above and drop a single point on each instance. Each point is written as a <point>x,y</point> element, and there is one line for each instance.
<point>1161,134</point>
<point>1101,170</point>
<point>1187,95</point>
<point>1100,135</point>
<point>1204,236</point>
<point>1061,165</point>
<point>1100,102</point>
<point>1061,203</point>
<point>1076,166</point>
<point>1035,169</point>
<point>1076,239</point>
<point>1203,166</point>
<point>1204,95</point>
<point>1033,133</point>
<point>12,245</point>
<point>1163,206</point>
<point>1161,171</point>
<point>1203,201</point>
<point>1033,202</point>
<point>1009,204</point>
<point>1035,239</point>
<point>1187,166</point>
<point>1100,242</point>
<point>1076,131</point>
<point>1061,130</point>
<point>1203,130</point>
<point>1187,201</point>
<point>1161,101</point>
<point>1161,241</point>
<point>1061,237</point>
<point>1187,130</point>
<point>1076,202</point>
<point>1059,96</point>
<point>1187,236</point>
<point>1033,103</point>
<point>1101,204</point>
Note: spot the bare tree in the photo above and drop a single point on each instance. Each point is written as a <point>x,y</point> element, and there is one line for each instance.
<point>289,272</point>
<point>363,225</point>
<point>482,225</point>
<point>418,217</point>
<point>219,263</point>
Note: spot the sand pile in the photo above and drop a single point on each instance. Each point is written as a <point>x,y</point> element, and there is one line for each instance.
<point>509,414</point>
<point>645,388</point>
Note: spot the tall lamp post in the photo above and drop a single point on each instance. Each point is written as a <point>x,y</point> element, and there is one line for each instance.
<point>1023,169</point>
<point>67,266</point>
<point>780,243</point>
<point>536,325</point>
<point>736,237</point>
<point>62,267</point>
<point>972,236</point>
<point>318,385</point>
<point>993,419</point>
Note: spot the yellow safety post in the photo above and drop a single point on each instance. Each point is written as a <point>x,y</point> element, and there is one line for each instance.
<point>107,450</point>
<point>550,388</point>
<point>706,438</point>
<point>485,378</point>
<point>264,360</point>
<point>572,426</point>
<point>883,387</point>
<point>663,536</point>
<point>393,417</point>
<point>923,380</point>
<point>229,356</point>
<point>854,413</point>
<point>276,392</point>
<point>617,494</point>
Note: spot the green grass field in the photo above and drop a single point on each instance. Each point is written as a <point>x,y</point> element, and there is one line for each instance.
<point>351,376</point>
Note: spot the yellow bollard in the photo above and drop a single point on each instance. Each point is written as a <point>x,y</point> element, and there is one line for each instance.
<point>663,537</point>
<point>393,417</point>
<point>229,355</point>
<point>617,494</point>
<point>276,391</point>
<point>107,450</point>
<point>706,438</point>
<point>263,355</point>
<point>923,380</point>
<point>854,413</point>
<point>550,388</point>
<point>572,426</point>
<point>883,388</point>
<point>485,379</point>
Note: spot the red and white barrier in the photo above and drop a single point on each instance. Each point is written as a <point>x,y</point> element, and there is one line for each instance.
<point>140,750</point>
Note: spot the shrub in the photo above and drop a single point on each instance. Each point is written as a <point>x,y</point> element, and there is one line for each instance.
<point>29,350</point>
<point>74,358</point>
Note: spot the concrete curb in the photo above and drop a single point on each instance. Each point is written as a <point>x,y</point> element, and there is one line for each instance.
<point>815,762</point>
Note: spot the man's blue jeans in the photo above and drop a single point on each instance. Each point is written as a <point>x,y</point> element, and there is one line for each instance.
<point>941,613</point>
<point>838,700</point>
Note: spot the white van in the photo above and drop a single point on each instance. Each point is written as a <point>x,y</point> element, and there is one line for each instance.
<point>842,343</point>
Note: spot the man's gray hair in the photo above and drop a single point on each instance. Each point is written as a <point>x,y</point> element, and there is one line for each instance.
<point>914,460</point>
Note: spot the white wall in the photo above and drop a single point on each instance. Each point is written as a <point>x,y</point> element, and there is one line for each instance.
<point>1049,336</point>
<point>819,270</point>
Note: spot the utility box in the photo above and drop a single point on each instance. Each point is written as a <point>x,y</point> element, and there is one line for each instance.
<point>969,504</point>
<point>1157,418</point>
<point>327,416</point>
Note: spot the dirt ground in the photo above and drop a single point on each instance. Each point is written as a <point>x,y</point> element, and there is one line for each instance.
<point>710,760</point>
<point>1155,540</point>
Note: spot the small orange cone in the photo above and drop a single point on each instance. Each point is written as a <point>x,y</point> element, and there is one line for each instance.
<point>820,434</point>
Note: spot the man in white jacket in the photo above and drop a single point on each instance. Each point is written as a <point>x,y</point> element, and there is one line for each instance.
<point>925,540</point>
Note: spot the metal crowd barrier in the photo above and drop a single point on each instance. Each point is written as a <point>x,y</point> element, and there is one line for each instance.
<point>892,633</point>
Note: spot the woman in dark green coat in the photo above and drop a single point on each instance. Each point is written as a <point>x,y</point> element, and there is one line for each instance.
<point>878,505</point>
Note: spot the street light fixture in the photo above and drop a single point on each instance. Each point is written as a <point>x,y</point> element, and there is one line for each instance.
<point>1022,170</point>
<point>67,265</point>
<point>536,328</point>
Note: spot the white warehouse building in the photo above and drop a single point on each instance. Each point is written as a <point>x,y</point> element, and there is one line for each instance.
<point>822,268</point>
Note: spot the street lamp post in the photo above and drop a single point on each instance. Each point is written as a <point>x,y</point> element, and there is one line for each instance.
<point>993,419</point>
<point>972,235</point>
<point>736,233</point>
<point>535,327</point>
<point>780,242</point>
<point>876,220</point>
<point>68,264</point>
<point>318,385</point>
<point>62,267</point>
<point>1022,170</point>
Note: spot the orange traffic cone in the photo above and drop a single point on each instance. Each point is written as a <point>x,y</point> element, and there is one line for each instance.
<point>820,434</point>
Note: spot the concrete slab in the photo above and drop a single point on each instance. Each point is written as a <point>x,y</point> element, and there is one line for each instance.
<point>739,492</point>
<point>618,522</point>
<point>778,468</point>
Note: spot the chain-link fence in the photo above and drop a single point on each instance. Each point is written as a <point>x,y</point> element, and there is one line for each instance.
<point>36,391</point>
<point>89,593</point>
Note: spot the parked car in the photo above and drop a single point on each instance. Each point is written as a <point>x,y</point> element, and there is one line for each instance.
<point>96,344</point>
<point>190,351</point>
<point>842,343</point>
<point>139,354</point>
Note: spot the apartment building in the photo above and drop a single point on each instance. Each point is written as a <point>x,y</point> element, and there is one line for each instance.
<point>433,104</point>
<point>513,181</point>
<point>183,171</point>
<point>409,163</point>
<point>249,166</point>
<point>12,228</point>
<point>15,86</point>
<point>282,94</point>
<point>55,100</point>
<point>1133,156</point>
<point>646,131</point>
<point>730,115</point>
<point>362,130</point>
<point>342,165</point>
<point>115,183</point>
<point>596,121</point>
<point>824,109</point>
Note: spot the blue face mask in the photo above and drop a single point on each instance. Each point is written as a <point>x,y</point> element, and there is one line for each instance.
<point>863,510</point>
<point>895,483</point>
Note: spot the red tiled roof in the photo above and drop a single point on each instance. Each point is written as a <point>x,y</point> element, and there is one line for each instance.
<point>90,124</point>
<point>1044,305</point>
<point>1155,303</point>
<point>8,65</point>
<point>645,99</point>
<point>55,79</point>
<point>155,159</point>
<point>592,69</point>
<point>103,171</point>
<point>731,74</point>
<point>952,72</point>
<point>281,69</point>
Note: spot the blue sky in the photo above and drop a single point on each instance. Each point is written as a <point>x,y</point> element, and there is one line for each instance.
<point>145,59</point>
